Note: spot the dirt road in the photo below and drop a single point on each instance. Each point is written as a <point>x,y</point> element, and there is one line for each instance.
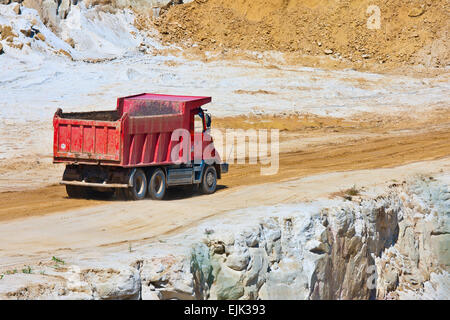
<point>323,150</point>
<point>319,156</point>
<point>112,227</point>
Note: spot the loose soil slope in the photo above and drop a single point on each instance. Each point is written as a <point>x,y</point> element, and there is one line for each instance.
<point>411,31</point>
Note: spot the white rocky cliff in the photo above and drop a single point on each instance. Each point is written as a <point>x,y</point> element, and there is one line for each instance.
<point>388,245</point>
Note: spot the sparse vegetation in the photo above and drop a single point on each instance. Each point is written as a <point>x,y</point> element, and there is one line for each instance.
<point>26,270</point>
<point>349,193</point>
<point>353,191</point>
<point>57,260</point>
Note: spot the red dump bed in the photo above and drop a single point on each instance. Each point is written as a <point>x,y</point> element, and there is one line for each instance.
<point>137,133</point>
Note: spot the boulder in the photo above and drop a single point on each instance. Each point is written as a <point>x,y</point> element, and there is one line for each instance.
<point>228,285</point>
<point>239,259</point>
<point>39,36</point>
<point>6,32</point>
<point>117,283</point>
<point>17,9</point>
<point>416,12</point>
<point>167,278</point>
<point>48,11</point>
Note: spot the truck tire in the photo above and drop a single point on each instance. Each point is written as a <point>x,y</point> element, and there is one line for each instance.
<point>209,181</point>
<point>76,192</point>
<point>139,189</point>
<point>157,185</point>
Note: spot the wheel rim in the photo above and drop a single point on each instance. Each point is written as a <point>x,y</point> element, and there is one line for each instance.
<point>210,179</point>
<point>140,187</point>
<point>158,185</point>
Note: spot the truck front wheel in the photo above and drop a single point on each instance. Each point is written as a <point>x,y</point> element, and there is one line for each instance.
<point>209,181</point>
<point>157,185</point>
<point>139,189</point>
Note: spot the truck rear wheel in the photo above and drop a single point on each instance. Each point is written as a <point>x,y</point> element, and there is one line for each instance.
<point>139,189</point>
<point>157,185</point>
<point>76,192</point>
<point>209,181</point>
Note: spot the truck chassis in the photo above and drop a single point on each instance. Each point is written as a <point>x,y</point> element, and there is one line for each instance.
<point>137,183</point>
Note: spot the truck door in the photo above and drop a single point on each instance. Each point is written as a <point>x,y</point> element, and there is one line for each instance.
<point>202,141</point>
<point>197,137</point>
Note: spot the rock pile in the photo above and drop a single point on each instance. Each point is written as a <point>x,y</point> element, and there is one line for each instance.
<point>398,32</point>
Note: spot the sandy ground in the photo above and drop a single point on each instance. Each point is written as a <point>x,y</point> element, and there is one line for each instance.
<point>319,157</point>
<point>111,226</point>
<point>238,87</point>
<point>308,145</point>
<point>338,128</point>
<point>336,132</point>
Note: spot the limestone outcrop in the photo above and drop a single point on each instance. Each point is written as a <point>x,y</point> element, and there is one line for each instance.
<point>390,245</point>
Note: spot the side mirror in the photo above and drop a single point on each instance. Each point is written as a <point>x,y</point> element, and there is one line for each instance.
<point>208,120</point>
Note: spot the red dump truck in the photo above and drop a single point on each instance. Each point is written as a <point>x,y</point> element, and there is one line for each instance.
<point>149,143</point>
